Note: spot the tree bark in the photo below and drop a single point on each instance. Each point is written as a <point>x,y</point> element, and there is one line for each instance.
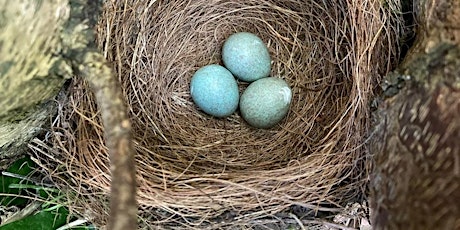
<point>42,43</point>
<point>31,74</point>
<point>416,180</point>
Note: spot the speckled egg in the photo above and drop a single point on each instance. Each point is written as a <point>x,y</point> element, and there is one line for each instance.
<point>246,56</point>
<point>215,91</point>
<point>265,102</point>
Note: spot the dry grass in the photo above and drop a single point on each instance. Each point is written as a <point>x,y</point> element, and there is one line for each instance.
<point>193,168</point>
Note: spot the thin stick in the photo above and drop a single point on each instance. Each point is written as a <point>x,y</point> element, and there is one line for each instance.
<point>123,210</point>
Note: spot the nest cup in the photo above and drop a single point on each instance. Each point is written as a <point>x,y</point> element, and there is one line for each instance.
<point>193,168</point>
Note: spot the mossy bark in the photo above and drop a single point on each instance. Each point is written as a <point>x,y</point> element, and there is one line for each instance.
<point>31,72</point>
<point>416,180</point>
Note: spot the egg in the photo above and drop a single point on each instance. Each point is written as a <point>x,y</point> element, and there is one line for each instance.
<point>265,102</point>
<point>246,56</point>
<point>214,90</point>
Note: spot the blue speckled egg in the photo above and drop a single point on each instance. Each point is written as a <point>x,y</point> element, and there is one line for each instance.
<point>246,56</point>
<point>215,91</point>
<point>265,102</point>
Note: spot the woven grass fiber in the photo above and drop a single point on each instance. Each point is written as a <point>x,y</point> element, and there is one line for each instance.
<point>198,171</point>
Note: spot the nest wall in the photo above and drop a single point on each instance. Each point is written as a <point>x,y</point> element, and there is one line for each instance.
<point>193,168</point>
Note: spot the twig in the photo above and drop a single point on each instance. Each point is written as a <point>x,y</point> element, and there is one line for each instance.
<point>31,208</point>
<point>123,210</point>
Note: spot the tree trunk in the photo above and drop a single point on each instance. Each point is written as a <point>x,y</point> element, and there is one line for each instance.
<point>416,141</point>
<point>31,73</point>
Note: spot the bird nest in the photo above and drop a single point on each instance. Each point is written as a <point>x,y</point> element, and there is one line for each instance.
<point>196,170</point>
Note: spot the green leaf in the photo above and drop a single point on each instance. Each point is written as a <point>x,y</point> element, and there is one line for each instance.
<point>23,167</point>
<point>44,220</point>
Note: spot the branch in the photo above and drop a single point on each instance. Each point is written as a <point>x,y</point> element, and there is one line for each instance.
<point>123,209</point>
